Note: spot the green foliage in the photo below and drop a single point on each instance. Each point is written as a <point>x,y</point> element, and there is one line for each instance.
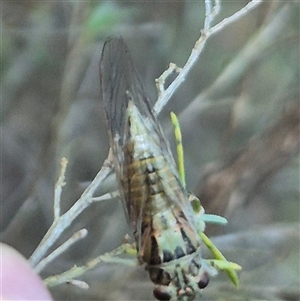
<point>222,263</point>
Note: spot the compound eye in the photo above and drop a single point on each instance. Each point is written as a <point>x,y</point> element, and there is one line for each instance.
<point>161,295</point>
<point>203,281</point>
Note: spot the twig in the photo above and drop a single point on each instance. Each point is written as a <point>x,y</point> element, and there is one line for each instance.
<point>76,271</point>
<point>210,13</point>
<point>66,245</point>
<point>238,66</point>
<point>160,82</point>
<point>199,46</point>
<point>233,18</point>
<point>79,283</point>
<point>58,187</point>
<point>106,196</point>
<point>65,220</point>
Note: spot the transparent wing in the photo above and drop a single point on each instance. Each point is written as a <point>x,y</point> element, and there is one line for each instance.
<point>120,84</point>
<point>117,78</point>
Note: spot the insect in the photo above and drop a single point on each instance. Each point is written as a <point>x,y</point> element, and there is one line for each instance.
<point>157,204</point>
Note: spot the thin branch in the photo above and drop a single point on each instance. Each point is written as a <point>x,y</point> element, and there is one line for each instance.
<point>65,220</point>
<point>199,46</point>
<point>62,248</point>
<point>79,283</point>
<point>106,196</point>
<point>76,271</point>
<point>58,188</point>
<point>211,11</point>
<point>160,82</point>
<point>239,65</point>
<point>208,15</point>
<point>233,18</point>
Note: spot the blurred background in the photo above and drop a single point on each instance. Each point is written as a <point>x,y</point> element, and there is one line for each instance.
<point>239,114</point>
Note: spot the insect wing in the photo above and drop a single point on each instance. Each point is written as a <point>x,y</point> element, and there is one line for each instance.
<point>120,84</point>
<point>117,78</point>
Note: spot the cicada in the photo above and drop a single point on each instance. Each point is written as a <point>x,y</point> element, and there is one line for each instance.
<point>157,205</point>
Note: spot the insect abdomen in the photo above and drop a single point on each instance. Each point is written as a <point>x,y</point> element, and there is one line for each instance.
<point>146,182</point>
